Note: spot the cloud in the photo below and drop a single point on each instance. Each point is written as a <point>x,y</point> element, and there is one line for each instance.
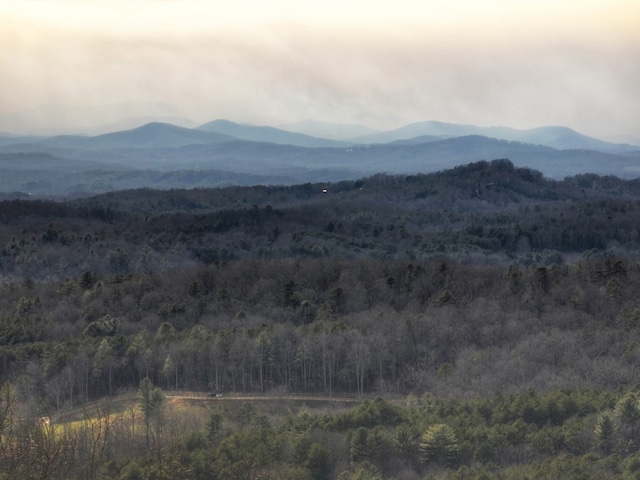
<point>484,70</point>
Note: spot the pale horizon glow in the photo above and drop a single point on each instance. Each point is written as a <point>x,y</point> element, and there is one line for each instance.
<point>81,65</point>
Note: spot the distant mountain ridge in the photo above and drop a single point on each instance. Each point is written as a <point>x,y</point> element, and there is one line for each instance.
<point>151,135</point>
<point>307,133</point>
<point>224,153</point>
<point>334,131</point>
<point>562,138</point>
<point>254,133</point>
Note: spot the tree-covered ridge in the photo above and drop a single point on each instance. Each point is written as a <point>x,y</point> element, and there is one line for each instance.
<point>482,212</point>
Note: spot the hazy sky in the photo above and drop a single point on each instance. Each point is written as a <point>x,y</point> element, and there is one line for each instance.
<point>81,64</point>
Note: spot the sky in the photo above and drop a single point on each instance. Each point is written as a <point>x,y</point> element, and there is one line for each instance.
<point>87,65</point>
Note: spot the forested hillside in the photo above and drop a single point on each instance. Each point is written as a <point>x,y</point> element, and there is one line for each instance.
<point>485,212</point>
<point>472,291</point>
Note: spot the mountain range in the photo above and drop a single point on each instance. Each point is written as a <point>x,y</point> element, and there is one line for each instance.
<point>221,152</point>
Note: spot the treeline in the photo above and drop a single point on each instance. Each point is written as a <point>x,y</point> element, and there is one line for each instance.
<point>559,435</point>
<point>324,325</point>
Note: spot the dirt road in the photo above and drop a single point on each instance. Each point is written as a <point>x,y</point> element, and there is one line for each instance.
<point>198,396</point>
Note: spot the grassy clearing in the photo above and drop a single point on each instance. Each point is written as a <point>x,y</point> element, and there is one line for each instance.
<point>186,412</point>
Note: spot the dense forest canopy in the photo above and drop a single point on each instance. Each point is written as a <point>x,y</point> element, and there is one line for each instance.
<point>443,263</point>
<point>468,290</point>
<point>483,212</point>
